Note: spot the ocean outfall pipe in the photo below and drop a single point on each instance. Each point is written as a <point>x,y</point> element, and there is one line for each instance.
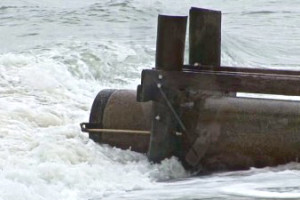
<point>224,133</point>
<point>238,133</point>
<point>119,111</point>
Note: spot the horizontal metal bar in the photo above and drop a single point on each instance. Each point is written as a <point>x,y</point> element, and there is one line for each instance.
<point>239,69</point>
<point>103,130</point>
<point>229,81</point>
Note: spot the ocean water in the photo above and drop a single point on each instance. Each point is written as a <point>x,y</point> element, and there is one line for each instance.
<point>56,55</point>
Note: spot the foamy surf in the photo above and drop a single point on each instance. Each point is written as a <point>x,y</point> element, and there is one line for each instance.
<point>43,153</point>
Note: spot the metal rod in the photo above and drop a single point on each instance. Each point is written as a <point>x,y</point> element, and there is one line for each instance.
<point>103,130</point>
<point>172,110</point>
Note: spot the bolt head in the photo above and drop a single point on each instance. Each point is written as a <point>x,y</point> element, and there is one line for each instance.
<point>178,133</point>
<point>196,64</point>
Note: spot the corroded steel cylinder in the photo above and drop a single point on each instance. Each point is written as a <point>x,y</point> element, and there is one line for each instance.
<point>223,133</point>
<point>118,110</point>
<point>238,133</point>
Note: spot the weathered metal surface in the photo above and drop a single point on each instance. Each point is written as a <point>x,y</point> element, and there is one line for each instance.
<point>97,110</point>
<point>164,143</point>
<point>118,109</point>
<point>216,81</point>
<point>222,133</point>
<point>240,133</point>
<point>259,107</point>
<point>212,68</point>
<point>193,115</point>
<point>170,42</point>
<point>205,37</point>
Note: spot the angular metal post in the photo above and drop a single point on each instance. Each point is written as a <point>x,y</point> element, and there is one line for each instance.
<point>205,37</point>
<point>169,57</point>
<point>170,42</point>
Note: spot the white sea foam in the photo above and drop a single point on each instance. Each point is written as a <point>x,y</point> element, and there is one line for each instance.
<point>43,153</point>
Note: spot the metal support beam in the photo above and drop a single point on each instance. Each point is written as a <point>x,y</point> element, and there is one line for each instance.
<point>169,57</point>
<point>205,37</point>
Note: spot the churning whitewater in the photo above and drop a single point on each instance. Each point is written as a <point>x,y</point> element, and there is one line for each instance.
<point>55,56</point>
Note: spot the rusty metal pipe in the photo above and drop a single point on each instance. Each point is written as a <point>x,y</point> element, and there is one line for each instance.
<point>237,133</point>
<point>230,133</point>
<point>118,109</point>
